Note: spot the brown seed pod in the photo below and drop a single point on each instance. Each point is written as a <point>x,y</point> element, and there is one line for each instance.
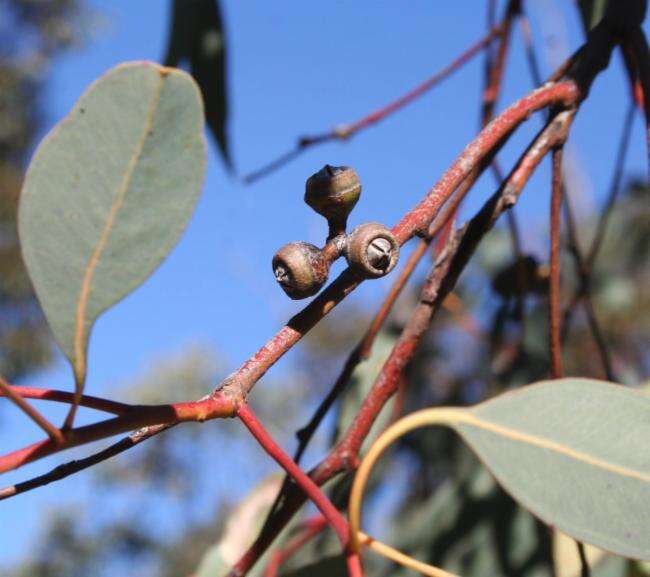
<point>333,192</point>
<point>300,269</point>
<point>372,250</point>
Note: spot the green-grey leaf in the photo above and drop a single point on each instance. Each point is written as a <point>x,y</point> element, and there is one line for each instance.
<point>108,194</point>
<point>575,453</point>
<point>361,382</point>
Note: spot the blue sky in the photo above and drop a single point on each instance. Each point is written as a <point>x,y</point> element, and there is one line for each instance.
<point>297,68</point>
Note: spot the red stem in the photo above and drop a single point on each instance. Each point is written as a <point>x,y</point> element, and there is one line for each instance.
<point>53,432</point>
<point>88,401</point>
<point>310,529</point>
<point>554,288</point>
<point>323,504</point>
<point>347,130</point>
<point>211,407</point>
<point>350,129</point>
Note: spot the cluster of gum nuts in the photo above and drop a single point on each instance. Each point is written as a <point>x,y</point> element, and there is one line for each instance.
<point>371,250</point>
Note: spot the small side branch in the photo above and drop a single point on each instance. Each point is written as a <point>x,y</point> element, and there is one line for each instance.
<point>67,469</point>
<point>88,401</point>
<point>54,433</point>
<point>554,288</point>
<point>322,503</point>
<point>310,529</point>
<point>210,407</point>
<point>346,131</point>
<point>583,294</point>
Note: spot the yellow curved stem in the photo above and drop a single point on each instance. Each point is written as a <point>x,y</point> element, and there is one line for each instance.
<point>399,557</point>
<point>423,418</point>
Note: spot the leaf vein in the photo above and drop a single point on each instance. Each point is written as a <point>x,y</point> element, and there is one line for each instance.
<point>95,257</point>
<point>550,445</point>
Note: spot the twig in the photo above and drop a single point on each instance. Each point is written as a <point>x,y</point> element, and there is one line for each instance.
<point>582,265</point>
<point>585,570</point>
<point>491,20</point>
<point>494,74</point>
<point>67,469</point>
<point>346,131</point>
<point>554,284</point>
<point>87,401</point>
<point>584,293</point>
<point>211,407</point>
<point>55,434</point>
<point>310,529</point>
<point>322,503</point>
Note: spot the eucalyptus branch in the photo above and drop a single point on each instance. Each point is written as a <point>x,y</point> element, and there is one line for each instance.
<point>460,246</point>
<point>364,348</point>
<point>584,265</point>
<point>88,401</point>
<point>311,490</point>
<point>224,400</point>
<point>210,407</point>
<point>308,530</point>
<point>554,284</point>
<point>8,391</point>
<point>65,470</point>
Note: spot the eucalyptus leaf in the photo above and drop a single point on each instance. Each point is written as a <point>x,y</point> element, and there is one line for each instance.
<point>361,382</point>
<point>108,194</point>
<point>575,453</point>
<point>197,37</point>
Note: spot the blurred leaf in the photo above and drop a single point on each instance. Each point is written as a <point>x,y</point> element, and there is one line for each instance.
<point>108,194</point>
<point>196,36</point>
<point>591,12</point>
<point>640,569</point>
<point>241,530</point>
<point>469,526</point>
<point>361,382</point>
<point>213,564</point>
<point>574,453</point>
